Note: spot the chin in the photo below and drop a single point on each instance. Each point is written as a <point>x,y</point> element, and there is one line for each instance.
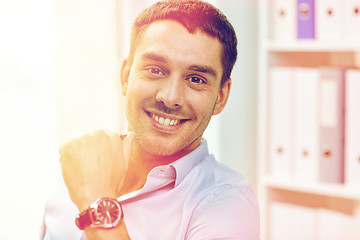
<point>158,147</point>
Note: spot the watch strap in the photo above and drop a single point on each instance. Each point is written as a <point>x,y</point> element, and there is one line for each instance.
<point>84,219</point>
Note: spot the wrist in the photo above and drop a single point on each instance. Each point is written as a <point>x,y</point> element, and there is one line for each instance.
<point>88,198</point>
<point>103,213</point>
<point>84,204</point>
<point>119,232</point>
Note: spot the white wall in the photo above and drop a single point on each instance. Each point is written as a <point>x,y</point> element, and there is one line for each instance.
<point>59,78</point>
<point>238,121</point>
<point>88,63</point>
<point>28,134</point>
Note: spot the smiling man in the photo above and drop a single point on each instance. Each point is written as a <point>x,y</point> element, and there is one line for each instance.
<point>158,181</point>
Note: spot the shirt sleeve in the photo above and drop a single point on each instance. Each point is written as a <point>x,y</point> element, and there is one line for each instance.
<point>59,217</point>
<point>227,213</point>
<point>42,228</point>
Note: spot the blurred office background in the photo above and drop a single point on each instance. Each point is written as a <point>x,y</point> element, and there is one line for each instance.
<point>59,79</point>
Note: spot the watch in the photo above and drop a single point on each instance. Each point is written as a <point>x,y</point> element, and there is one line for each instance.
<point>103,213</point>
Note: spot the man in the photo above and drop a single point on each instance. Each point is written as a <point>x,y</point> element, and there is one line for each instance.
<point>158,181</point>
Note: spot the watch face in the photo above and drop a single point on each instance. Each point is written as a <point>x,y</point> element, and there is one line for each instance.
<point>107,213</point>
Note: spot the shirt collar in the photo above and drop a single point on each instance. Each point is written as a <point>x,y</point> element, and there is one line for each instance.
<point>183,165</point>
<point>165,174</point>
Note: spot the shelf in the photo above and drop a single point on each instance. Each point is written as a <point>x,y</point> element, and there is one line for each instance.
<point>324,189</point>
<point>311,46</point>
<point>297,53</point>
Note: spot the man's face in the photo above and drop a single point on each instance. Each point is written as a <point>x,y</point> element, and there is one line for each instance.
<point>172,88</point>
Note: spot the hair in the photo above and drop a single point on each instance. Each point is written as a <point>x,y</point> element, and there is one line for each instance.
<point>194,15</point>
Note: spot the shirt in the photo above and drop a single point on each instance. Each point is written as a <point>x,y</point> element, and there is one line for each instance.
<point>195,197</point>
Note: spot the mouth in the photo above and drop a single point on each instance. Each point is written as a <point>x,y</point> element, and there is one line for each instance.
<point>166,121</point>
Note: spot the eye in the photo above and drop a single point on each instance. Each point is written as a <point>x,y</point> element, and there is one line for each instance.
<point>155,71</point>
<point>196,80</point>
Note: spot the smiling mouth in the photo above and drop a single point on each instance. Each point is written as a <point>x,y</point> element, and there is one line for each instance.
<point>165,121</point>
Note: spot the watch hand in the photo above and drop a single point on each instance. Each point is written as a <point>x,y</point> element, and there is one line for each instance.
<point>109,217</point>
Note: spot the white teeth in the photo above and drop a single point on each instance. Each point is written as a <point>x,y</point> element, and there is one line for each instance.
<point>165,121</point>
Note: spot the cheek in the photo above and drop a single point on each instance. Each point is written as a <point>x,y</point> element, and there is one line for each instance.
<point>133,101</point>
<point>135,91</point>
<point>139,94</point>
<point>203,104</point>
<point>138,85</point>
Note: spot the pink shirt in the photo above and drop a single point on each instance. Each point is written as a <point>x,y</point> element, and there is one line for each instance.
<point>195,197</point>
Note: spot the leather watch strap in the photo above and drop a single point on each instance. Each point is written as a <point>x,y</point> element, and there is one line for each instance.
<point>84,219</point>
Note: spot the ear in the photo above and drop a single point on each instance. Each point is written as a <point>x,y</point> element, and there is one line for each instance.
<point>124,76</point>
<point>222,97</point>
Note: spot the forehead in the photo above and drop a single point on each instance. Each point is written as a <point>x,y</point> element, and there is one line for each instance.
<point>173,41</point>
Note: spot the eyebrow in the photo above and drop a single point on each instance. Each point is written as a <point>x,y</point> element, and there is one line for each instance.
<point>154,57</point>
<point>198,68</point>
<point>203,69</point>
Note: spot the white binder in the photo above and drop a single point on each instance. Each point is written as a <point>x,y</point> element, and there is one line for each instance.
<point>335,225</point>
<point>306,134</point>
<point>280,219</point>
<point>352,129</point>
<point>282,20</point>
<point>352,20</point>
<point>329,20</point>
<point>280,119</point>
<point>304,223</point>
<point>331,125</point>
<point>292,222</point>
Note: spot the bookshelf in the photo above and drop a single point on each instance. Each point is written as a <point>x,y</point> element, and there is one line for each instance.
<point>311,46</point>
<point>323,189</point>
<point>298,53</point>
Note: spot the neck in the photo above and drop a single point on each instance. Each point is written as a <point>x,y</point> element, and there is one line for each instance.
<point>141,163</point>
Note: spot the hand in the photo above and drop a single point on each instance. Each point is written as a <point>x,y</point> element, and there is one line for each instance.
<point>94,165</point>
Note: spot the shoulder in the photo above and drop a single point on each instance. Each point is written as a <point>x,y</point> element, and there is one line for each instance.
<point>226,207</point>
<point>213,175</point>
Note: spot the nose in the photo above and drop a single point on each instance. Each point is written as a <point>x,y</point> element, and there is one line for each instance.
<point>171,91</point>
